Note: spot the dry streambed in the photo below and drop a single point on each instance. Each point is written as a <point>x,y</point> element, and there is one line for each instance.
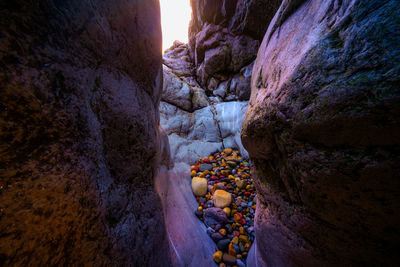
<point>226,200</point>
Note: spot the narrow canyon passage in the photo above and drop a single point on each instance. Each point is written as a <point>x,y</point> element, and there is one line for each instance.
<point>205,96</point>
<point>274,123</point>
<point>202,108</point>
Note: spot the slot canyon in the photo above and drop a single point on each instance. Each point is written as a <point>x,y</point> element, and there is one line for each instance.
<point>102,133</point>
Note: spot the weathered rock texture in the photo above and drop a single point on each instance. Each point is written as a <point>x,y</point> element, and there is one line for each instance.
<point>224,37</point>
<point>80,85</point>
<point>205,131</point>
<point>215,67</point>
<point>322,130</point>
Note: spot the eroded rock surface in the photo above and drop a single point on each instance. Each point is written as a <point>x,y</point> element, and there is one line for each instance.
<point>80,85</point>
<point>224,37</point>
<point>204,131</point>
<point>322,131</point>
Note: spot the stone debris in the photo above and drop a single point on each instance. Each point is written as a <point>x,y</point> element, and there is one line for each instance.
<point>227,202</point>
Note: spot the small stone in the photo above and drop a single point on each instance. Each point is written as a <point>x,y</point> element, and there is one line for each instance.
<point>222,264</point>
<point>216,237</point>
<point>194,168</point>
<point>229,259</point>
<point>231,250</point>
<point>220,185</point>
<point>222,231</point>
<point>236,247</point>
<point>243,239</point>
<point>237,217</point>
<point>193,173</point>
<point>223,244</point>
<point>241,231</point>
<point>199,213</point>
<point>235,240</point>
<point>199,186</point>
<point>217,256</point>
<point>228,151</point>
<point>225,173</point>
<point>241,183</point>
<point>222,198</point>
<point>231,163</point>
<point>241,247</point>
<point>214,216</point>
<point>227,211</point>
<point>204,167</point>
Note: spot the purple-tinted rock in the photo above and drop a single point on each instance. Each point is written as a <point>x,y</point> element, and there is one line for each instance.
<point>214,216</point>
<point>223,244</point>
<point>224,37</point>
<point>216,237</point>
<point>80,84</point>
<point>322,130</point>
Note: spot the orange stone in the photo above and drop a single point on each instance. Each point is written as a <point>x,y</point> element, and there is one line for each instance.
<point>231,250</point>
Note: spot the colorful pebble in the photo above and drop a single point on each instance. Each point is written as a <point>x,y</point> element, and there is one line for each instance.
<point>227,185</point>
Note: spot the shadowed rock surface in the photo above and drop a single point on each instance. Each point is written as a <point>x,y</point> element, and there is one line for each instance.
<point>322,131</point>
<point>80,86</point>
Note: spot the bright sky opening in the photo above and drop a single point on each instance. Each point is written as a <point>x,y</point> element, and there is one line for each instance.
<point>175,17</point>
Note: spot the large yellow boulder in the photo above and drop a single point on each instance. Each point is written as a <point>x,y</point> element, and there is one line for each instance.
<point>222,199</point>
<point>199,186</point>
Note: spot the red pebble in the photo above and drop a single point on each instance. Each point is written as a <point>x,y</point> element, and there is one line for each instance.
<point>214,178</point>
<point>247,193</point>
<point>195,169</point>
<point>236,233</point>
<point>242,221</point>
<point>202,204</point>
<point>197,198</point>
<point>206,160</point>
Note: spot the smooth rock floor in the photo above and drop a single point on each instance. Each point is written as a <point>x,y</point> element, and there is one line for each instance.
<point>189,243</point>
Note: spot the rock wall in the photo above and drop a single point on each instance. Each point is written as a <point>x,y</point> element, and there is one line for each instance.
<point>224,37</point>
<point>322,131</point>
<point>203,103</point>
<point>80,87</point>
<point>214,68</point>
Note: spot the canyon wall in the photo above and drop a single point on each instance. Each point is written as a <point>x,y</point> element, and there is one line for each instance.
<point>202,108</point>
<point>322,131</point>
<point>207,82</point>
<point>80,87</point>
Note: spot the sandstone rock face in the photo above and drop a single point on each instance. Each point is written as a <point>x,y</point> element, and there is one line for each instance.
<point>322,131</point>
<point>80,85</point>
<point>224,37</point>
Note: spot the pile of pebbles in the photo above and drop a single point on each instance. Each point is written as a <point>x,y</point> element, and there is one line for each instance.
<point>227,199</point>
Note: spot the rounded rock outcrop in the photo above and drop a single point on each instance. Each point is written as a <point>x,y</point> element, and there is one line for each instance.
<point>322,132</point>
